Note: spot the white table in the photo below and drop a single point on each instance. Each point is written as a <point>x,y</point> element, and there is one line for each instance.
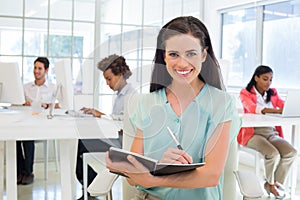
<point>255,120</point>
<point>21,125</point>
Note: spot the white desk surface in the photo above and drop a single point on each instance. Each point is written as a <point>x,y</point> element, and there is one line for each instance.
<point>21,125</point>
<point>59,127</point>
<point>255,120</point>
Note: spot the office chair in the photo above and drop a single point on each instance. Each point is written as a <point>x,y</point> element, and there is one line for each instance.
<point>103,182</point>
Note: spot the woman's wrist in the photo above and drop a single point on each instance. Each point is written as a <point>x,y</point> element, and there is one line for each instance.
<point>155,181</point>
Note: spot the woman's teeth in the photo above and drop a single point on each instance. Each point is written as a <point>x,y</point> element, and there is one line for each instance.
<point>183,72</point>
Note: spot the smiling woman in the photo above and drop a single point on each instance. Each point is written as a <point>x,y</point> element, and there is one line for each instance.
<point>184,57</point>
<point>185,89</point>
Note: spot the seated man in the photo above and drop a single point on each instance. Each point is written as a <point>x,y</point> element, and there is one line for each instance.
<point>116,72</point>
<point>37,94</point>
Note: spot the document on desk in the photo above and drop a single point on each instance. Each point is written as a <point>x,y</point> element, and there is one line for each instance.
<point>94,128</point>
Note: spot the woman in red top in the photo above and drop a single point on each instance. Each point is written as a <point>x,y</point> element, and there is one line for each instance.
<point>279,155</point>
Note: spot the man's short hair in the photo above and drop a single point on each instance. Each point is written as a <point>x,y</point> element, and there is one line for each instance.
<point>43,60</point>
<point>117,64</point>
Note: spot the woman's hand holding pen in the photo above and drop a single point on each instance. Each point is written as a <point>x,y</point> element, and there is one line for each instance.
<point>176,156</point>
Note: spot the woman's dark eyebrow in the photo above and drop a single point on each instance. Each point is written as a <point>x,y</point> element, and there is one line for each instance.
<point>191,50</point>
<point>173,51</point>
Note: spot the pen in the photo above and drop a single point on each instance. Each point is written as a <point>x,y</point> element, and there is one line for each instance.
<point>174,138</point>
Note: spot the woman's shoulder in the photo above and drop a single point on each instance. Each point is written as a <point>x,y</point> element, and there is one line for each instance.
<point>216,97</point>
<point>152,97</point>
<point>245,92</point>
<point>156,95</point>
<point>219,104</point>
<point>274,90</point>
<point>215,92</point>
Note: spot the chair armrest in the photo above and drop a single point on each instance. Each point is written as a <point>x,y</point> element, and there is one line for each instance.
<point>102,184</point>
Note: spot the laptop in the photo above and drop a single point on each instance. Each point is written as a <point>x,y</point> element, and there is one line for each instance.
<point>291,106</point>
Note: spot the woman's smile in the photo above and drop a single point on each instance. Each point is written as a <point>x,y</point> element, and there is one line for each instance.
<point>184,72</point>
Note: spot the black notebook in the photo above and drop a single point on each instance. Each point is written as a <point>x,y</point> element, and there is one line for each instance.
<point>155,168</point>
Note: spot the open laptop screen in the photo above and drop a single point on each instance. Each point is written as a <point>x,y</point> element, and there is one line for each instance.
<point>291,106</point>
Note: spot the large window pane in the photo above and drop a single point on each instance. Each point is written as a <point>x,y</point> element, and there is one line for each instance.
<point>132,11</point>
<point>281,43</point>
<point>84,10</point>
<point>65,29</point>
<point>35,37</point>
<point>71,35</point>
<point>61,9</point>
<point>172,9</point>
<point>150,36</point>
<point>132,41</point>
<point>191,7</point>
<point>149,42</point>
<point>111,11</point>
<point>238,45</point>
<point>87,32</point>
<point>11,7</point>
<point>153,12</point>
<point>10,36</point>
<point>110,39</point>
<point>60,39</point>
<point>36,8</point>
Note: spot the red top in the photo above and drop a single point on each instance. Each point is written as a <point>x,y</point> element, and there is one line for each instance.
<point>249,101</point>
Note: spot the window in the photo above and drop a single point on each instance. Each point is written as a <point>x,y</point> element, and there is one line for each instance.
<point>281,43</point>
<point>266,34</point>
<point>66,32</point>
<point>10,36</point>
<point>238,44</point>
<point>85,32</point>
